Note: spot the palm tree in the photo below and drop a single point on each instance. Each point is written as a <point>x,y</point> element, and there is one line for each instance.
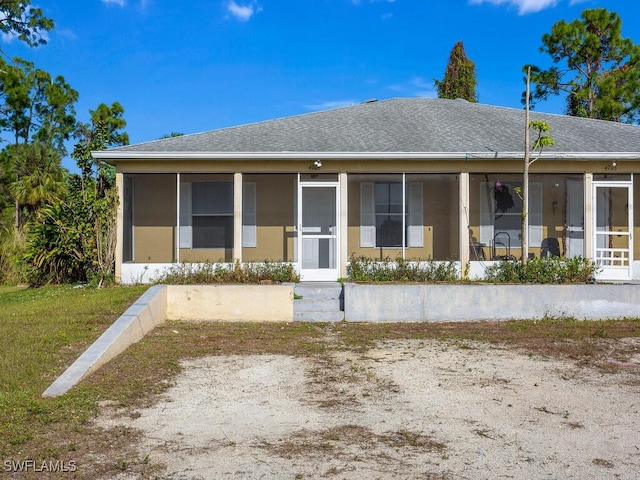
<point>38,178</point>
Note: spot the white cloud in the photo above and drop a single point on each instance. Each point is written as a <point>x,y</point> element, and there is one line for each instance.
<point>120,3</point>
<point>66,34</point>
<point>416,87</point>
<point>243,12</point>
<point>524,6</point>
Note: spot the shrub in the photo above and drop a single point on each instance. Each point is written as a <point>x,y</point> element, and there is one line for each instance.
<point>219,273</point>
<point>363,269</point>
<point>543,270</point>
<point>12,269</point>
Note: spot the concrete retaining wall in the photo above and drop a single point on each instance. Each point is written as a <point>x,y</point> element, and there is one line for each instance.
<point>149,311</point>
<point>237,303</point>
<point>441,303</point>
<point>199,302</point>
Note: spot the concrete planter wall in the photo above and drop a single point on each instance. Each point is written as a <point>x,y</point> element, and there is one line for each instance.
<point>236,303</point>
<point>441,303</point>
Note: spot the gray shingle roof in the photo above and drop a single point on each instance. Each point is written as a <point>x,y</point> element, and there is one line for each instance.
<point>416,125</point>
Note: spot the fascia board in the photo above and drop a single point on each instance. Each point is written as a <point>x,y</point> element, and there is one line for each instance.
<point>109,155</point>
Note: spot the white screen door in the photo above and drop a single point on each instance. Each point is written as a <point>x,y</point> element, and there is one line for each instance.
<point>575,218</point>
<point>613,243</point>
<point>318,231</point>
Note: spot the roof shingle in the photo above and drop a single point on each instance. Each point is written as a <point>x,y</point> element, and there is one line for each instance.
<point>416,125</point>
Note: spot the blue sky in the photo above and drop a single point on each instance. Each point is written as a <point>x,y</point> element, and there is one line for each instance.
<point>205,64</point>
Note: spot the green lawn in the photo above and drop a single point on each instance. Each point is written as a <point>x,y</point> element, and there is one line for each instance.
<point>44,330</point>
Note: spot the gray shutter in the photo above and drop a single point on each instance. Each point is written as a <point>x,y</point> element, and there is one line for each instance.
<point>416,214</point>
<point>486,213</point>
<point>249,223</point>
<point>535,214</point>
<point>367,215</point>
<point>185,215</point>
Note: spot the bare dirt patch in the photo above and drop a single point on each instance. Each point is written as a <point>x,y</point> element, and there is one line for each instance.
<point>400,408</point>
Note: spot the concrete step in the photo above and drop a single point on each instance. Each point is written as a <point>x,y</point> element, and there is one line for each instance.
<point>317,305</point>
<point>318,302</point>
<point>324,290</point>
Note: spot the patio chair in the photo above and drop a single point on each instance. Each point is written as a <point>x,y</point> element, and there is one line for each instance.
<point>550,248</point>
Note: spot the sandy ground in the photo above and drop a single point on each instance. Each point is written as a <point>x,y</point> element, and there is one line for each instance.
<point>407,409</point>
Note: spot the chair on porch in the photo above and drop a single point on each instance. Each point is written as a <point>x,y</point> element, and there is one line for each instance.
<point>550,248</point>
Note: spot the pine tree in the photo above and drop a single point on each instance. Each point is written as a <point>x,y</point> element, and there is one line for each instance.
<point>460,76</point>
<point>594,66</point>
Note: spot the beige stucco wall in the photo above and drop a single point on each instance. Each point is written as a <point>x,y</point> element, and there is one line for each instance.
<point>260,303</point>
<point>275,195</point>
<point>440,224</point>
<point>294,166</point>
<point>154,218</point>
<point>189,255</point>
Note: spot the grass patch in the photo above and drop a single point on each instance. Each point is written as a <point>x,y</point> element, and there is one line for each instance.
<point>46,329</point>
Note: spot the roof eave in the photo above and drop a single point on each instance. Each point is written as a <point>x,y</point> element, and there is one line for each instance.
<point>111,156</point>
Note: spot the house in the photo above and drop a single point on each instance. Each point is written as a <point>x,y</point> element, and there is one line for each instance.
<point>418,178</point>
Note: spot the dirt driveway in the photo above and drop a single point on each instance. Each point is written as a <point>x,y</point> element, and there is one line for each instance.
<point>405,409</point>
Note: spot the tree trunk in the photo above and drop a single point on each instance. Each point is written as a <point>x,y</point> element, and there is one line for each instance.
<point>525,177</point>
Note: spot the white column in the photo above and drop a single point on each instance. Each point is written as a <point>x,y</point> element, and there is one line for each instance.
<point>463,218</point>
<point>119,226</point>
<point>404,216</point>
<point>344,223</point>
<point>177,235</point>
<point>588,215</point>
<point>237,216</point>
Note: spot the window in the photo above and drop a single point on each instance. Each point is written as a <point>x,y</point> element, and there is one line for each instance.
<point>127,219</point>
<point>501,214</point>
<point>206,215</point>
<point>388,212</point>
<point>382,209</point>
<point>249,215</point>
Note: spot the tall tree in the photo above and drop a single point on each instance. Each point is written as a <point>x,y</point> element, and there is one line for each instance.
<point>541,141</point>
<point>33,107</point>
<point>39,178</point>
<point>75,239</point>
<point>19,19</point>
<point>105,130</point>
<point>597,69</point>
<point>460,76</point>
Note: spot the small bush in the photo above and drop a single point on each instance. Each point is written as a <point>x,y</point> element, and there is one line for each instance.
<point>363,269</point>
<point>543,270</point>
<point>12,269</point>
<point>219,273</point>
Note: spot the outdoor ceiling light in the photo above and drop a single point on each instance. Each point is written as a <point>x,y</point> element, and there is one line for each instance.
<point>317,165</point>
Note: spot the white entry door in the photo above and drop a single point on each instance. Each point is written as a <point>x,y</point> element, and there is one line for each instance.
<point>318,231</point>
<point>613,242</point>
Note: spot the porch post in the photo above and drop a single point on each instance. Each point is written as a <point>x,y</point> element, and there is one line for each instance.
<point>176,238</point>
<point>344,224</point>
<point>237,216</point>
<point>588,215</point>
<point>463,219</point>
<point>119,226</point>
